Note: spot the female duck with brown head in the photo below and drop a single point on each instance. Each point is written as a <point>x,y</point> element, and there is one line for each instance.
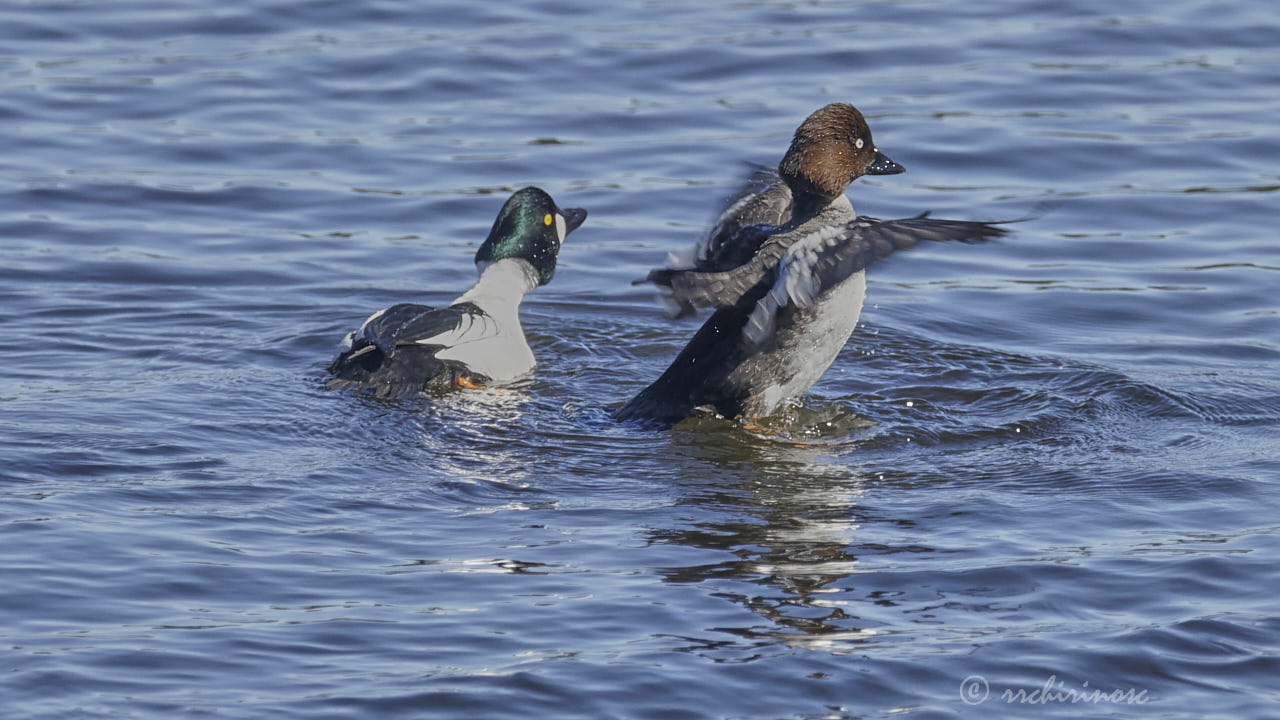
<point>784,268</point>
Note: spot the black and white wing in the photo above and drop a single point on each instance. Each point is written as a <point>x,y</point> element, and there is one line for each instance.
<point>747,221</point>
<point>394,351</point>
<point>408,324</point>
<point>764,199</point>
<point>685,290</point>
<point>820,261</point>
<point>795,272</point>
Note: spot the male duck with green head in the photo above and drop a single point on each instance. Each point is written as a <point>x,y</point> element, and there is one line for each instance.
<point>477,340</point>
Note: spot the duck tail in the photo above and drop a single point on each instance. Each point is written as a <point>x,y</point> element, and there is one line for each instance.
<point>657,405</point>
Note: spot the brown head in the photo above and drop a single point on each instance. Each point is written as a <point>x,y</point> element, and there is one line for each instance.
<point>831,148</point>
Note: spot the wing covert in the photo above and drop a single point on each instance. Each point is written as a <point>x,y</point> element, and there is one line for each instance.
<point>821,260</point>
<point>408,324</point>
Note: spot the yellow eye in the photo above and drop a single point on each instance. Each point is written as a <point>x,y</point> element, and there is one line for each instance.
<point>546,219</point>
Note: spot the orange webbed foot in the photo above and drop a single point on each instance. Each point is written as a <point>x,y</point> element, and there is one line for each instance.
<point>462,382</point>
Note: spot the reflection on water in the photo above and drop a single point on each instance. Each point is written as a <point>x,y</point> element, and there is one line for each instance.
<point>789,527</point>
<point>484,422</point>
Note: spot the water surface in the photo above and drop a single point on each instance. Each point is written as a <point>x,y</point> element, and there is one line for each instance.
<point>1055,456</point>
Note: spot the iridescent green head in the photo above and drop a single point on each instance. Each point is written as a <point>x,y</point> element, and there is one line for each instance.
<point>532,228</point>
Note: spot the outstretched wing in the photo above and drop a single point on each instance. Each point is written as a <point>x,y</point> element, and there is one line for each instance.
<point>820,261</point>
<point>684,290</point>
<point>749,218</point>
<point>764,199</point>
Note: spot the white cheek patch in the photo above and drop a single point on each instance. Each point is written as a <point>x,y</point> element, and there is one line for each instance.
<point>561,230</point>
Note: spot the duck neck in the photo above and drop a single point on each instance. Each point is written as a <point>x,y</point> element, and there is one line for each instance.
<point>806,205</point>
<point>502,284</point>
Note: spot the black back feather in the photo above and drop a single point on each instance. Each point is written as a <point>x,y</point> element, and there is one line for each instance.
<point>387,359</point>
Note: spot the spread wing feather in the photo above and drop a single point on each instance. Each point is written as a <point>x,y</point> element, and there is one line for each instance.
<point>822,260</point>
<point>764,199</point>
<point>689,289</point>
<point>749,218</point>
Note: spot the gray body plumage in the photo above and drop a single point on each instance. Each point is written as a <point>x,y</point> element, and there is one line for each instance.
<point>787,299</point>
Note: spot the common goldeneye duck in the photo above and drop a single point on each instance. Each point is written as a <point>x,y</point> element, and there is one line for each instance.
<point>784,267</point>
<point>477,340</point>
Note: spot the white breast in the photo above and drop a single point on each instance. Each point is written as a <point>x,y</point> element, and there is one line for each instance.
<point>504,355</point>
<point>808,341</point>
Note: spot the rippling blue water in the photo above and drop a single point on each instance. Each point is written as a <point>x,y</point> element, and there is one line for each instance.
<point>1068,470</point>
